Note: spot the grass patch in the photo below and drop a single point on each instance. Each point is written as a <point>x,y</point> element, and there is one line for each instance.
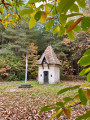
<point>38,95</point>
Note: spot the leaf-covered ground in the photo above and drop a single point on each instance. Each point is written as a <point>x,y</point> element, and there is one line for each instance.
<point>25,104</point>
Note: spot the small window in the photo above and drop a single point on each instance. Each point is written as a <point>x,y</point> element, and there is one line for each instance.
<point>44,61</point>
<point>41,75</point>
<point>51,75</point>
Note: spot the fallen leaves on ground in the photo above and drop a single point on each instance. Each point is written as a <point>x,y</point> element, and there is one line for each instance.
<point>25,104</point>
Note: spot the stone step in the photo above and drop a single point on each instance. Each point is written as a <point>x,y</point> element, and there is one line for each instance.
<point>25,86</point>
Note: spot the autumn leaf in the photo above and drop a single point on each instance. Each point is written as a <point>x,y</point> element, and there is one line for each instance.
<point>87,94</point>
<point>1,20</point>
<point>49,18</point>
<point>67,112</point>
<point>72,26</point>
<point>43,17</point>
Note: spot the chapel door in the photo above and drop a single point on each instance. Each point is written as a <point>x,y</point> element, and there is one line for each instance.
<point>45,77</point>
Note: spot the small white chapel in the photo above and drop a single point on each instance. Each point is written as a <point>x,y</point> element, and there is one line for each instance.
<point>48,67</point>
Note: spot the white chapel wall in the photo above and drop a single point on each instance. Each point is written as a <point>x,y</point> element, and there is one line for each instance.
<point>40,74</point>
<point>53,73</point>
<point>57,73</point>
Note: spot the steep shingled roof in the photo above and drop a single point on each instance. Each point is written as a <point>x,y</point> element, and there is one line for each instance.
<point>50,57</point>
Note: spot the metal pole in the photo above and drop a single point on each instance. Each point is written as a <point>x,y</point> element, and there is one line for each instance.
<point>26,69</point>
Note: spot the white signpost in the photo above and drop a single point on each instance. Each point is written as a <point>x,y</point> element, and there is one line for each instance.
<point>26,85</point>
<point>26,69</point>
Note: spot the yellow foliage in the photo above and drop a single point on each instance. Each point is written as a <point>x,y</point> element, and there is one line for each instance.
<point>32,22</point>
<point>31,5</point>
<point>7,16</point>
<point>47,10</point>
<point>5,23</point>
<point>56,29</point>
<point>33,14</point>
<point>83,85</point>
<point>53,115</point>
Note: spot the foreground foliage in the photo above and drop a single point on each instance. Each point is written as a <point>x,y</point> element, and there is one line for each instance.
<point>85,61</point>
<point>82,95</point>
<point>48,11</point>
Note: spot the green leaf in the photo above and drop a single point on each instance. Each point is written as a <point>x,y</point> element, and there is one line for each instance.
<point>26,11</point>
<point>77,28</point>
<point>62,31</point>
<point>32,23</point>
<point>62,19</point>
<point>84,71</point>
<point>84,61</point>
<point>70,35</point>
<point>67,99</point>
<point>1,9</point>
<point>9,1</point>
<point>54,11</point>
<point>85,23</point>
<point>49,25</point>
<point>34,1</point>
<point>88,85</point>
<point>89,102</point>
<point>38,15</point>
<point>88,77</point>
<point>68,88</point>
<point>87,52</point>
<point>46,108</point>
<point>60,104</point>
<point>40,7</point>
<point>64,5</point>
<point>73,14</point>
<point>82,97</point>
<point>74,8</point>
<point>81,3</point>
<point>70,108</point>
<point>50,5</point>
<point>55,29</point>
<point>84,116</point>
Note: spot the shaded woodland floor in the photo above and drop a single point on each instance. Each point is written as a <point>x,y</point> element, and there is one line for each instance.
<point>25,104</point>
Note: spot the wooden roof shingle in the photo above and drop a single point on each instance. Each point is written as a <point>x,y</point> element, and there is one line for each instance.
<point>50,57</point>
